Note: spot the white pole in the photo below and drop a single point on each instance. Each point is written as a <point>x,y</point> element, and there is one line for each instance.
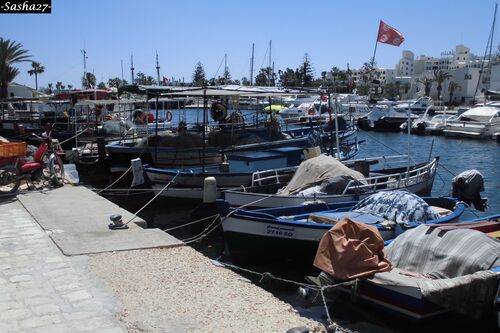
<point>409,132</point>
<point>337,129</point>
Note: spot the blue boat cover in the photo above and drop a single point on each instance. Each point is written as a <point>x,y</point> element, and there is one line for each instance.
<point>398,206</point>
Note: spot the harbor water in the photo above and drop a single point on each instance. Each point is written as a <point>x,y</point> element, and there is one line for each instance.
<point>456,155</point>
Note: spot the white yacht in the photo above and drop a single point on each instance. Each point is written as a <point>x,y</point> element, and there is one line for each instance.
<point>385,118</point>
<point>482,122</point>
<point>417,106</point>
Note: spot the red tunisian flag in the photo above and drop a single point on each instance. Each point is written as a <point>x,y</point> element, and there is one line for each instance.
<point>389,35</point>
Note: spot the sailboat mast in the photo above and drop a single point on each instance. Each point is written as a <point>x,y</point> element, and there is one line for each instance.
<point>251,64</point>
<point>489,46</point>
<point>122,71</point>
<point>270,73</point>
<point>84,61</point>
<point>132,66</point>
<point>84,53</point>
<point>157,68</point>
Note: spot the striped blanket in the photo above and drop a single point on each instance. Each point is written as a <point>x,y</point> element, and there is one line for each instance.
<point>450,267</point>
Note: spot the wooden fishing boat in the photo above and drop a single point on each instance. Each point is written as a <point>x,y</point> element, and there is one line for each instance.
<point>261,193</point>
<point>239,171</point>
<point>407,292</point>
<point>293,233</point>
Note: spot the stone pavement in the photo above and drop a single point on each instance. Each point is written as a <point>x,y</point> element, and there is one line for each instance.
<point>41,290</point>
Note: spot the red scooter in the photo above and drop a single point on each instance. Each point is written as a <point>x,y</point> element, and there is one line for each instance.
<point>46,164</point>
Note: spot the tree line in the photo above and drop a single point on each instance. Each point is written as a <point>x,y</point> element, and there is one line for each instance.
<point>303,76</point>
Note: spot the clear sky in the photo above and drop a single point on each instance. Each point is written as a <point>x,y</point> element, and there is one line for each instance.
<point>184,32</point>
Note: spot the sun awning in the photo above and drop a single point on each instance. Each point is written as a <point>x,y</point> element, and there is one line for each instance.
<point>211,91</point>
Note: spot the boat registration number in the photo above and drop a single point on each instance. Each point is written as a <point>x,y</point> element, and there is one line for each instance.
<point>280,231</point>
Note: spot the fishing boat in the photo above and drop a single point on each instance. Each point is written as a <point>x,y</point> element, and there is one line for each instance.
<point>436,269</point>
<point>293,233</point>
<point>208,142</point>
<point>390,175</point>
<point>240,170</point>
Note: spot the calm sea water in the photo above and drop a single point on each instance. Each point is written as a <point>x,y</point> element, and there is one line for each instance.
<point>456,155</point>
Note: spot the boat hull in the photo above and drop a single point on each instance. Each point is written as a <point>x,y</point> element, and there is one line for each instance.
<point>266,236</point>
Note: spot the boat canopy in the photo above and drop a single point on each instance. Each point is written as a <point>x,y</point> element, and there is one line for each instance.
<point>480,113</point>
<point>227,90</point>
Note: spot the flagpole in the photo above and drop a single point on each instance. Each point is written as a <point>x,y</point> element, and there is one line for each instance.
<point>374,52</point>
<point>376,43</point>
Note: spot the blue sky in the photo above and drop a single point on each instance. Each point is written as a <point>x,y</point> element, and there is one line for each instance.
<point>333,33</point>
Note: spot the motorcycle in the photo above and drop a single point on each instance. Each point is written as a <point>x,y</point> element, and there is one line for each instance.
<point>45,164</point>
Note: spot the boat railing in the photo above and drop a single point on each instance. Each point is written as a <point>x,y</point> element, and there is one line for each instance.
<point>392,181</point>
<point>274,176</point>
<point>384,161</point>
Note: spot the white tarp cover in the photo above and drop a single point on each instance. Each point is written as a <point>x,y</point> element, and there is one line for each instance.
<point>315,171</point>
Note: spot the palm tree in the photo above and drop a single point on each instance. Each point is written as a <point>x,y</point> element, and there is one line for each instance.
<point>36,68</point>
<point>440,76</point>
<point>451,90</point>
<point>427,82</point>
<point>88,80</point>
<point>9,74</point>
<point>10,53</point>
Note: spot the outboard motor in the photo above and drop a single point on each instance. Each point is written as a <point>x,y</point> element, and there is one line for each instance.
<point>467,187</point>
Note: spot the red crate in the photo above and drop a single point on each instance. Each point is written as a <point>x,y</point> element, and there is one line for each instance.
<point>11,149</point>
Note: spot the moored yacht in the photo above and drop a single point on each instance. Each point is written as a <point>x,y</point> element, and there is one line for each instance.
<point>385,119</point>
<point>417,106</point>
<point>481,122</point>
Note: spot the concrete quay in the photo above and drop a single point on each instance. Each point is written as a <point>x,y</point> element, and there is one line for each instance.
<point>63,270</point>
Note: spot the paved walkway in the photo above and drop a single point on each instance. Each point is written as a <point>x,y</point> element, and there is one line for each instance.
<point>79,218</point>
<point>41,290</point>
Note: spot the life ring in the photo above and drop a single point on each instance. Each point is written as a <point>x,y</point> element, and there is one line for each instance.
<point>311,111</point>
<point>169,116</point>
<point>218,111</point>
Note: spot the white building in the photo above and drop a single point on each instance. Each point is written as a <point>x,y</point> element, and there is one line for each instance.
<point>463,66</point>
<point>20,91</point>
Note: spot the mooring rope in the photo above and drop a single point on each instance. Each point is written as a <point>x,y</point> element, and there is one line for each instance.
<point>190,223</point>
<point>75,136</point>
<point>207,231</point>
<point>117,180</point>
<point>126,171</point>
<point>320,289</point>
<point>446,169</point>
<point>152,199</point>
